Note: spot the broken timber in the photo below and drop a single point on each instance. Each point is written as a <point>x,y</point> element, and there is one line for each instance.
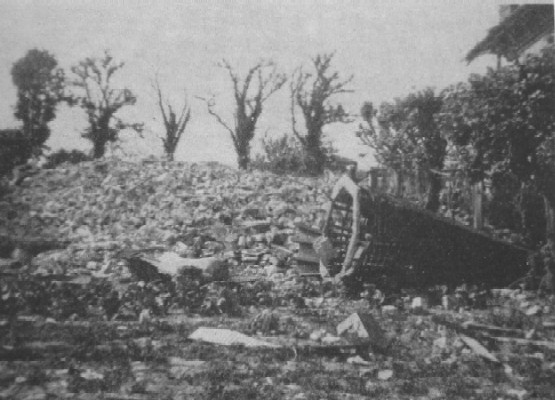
<point>377,235</point>
<point>32,245</point>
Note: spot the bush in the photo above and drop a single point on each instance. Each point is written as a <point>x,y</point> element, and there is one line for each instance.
<point>15,149</point>
<point>62,156</point>
<point>283,155</point>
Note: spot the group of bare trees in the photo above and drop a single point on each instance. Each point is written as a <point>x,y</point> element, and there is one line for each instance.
<point>310,93</point>
<point>42,85</point>
<point>93,87</point>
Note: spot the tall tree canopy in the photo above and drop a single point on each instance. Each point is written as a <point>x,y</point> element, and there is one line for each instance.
<point>407,137</point>
<point>96,94</point>
<point>250,94</point>
<point>503,121</point>
<point>40,85</point>
<point>311,93</point>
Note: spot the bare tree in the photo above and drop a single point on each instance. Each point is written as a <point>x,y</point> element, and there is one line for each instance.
<point>101,101</point>
<point>250,93</point>
<point>174,125</point>
<point>311,93</point>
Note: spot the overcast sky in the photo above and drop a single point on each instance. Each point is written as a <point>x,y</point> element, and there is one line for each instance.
<point>391,48</point>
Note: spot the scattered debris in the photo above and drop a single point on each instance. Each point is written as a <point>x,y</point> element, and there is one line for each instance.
<point>227,337</point>
<point>212,268</point>
<point>477,348</point>
<point>360,326</point>
<point>358,360</point>
<point>150,254</point>
<point>385,374</point>
<point>265,322</point>
<point>181,368</point>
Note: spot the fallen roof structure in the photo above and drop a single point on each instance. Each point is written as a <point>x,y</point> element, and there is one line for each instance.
<point>379,236</point>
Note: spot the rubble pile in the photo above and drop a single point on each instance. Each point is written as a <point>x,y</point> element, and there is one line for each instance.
<point>173,280</point>
<point>121,221</point>
<point>114,203</point>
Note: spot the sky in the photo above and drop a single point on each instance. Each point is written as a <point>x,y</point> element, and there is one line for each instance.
<point>391,48</point>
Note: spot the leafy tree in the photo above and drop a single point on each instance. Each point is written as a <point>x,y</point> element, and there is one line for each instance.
<point>174,125</point>
<point>311,92</point>
<point>40,85</point>
<point>408,137</point>
<point>503,121</point>
<point>250,93</point>
<point>101,101</point>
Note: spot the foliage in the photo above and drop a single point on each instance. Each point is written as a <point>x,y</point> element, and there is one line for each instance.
<point>408,137</point>
<point>286,156</point>
<point>40,85</point>
<point>249,99</point>
<point>15,149</point>
<point>517,207</point>
<point>101,101</point>
<point>311,92</point>
<point>502,207</point>
<point>503,121</point>
<point>282,155</point>
<point>174,126</point>
<point>63,156</point>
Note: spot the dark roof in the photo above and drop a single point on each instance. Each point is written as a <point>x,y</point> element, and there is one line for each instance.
<point>524,26</point>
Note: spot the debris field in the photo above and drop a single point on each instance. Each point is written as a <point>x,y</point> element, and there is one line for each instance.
<point>158,280</point>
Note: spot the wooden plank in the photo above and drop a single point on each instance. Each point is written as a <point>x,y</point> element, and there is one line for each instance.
<point>307,258</point>
<point>479,349</point>
<point>303,239</point>
<point>546,344</point>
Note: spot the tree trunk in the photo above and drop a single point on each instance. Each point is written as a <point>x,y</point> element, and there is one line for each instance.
<point>432,201</point>
<point>549,217</point>
<point>169,156</point>
<point>314,160</point>
<point>243,157</point>
<point>315,157</point>
<point>99,148</point>
<point>400,178</point>
<point>477,200</point>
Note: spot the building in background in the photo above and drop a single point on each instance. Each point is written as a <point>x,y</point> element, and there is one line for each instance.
<point>522,29</point>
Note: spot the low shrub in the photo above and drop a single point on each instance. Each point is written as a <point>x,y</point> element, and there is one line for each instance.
<point>282,155</point>
<point>62,156</point>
